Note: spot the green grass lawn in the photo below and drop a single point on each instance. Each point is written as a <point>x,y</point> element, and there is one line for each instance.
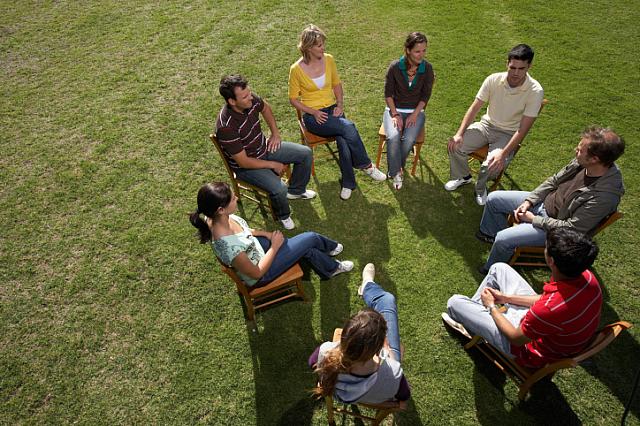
<point>111,312</point>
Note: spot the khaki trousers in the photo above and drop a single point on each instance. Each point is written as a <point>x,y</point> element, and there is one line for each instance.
<point>476,136</point>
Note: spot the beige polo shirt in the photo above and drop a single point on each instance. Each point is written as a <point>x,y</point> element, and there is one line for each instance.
<point>507,105</point>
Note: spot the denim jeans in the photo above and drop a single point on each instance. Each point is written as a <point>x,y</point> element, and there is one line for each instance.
<point>399,144</point>
<point>308,245</point>
<point>477,319</point>
<point>384,303</point>
<point>288,153</point>
<point>351,150</point>
<point>494,223</point>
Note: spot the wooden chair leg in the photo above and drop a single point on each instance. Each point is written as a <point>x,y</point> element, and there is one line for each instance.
<point>381,142</point>
<point>328,402</point>
<point>251,312</point>
<point>301,290</point>
<point>496,182</point>
<point>476,339</point>
<point>380,416</point>
<point>416,158</point>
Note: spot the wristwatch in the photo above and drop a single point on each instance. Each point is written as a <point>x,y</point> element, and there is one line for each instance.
<point>491,307</point>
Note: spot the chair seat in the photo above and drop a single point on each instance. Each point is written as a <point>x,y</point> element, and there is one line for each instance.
<point>480,154</point>
<point>286,286</point>
<point>312,141</point>
<point>291,274</point>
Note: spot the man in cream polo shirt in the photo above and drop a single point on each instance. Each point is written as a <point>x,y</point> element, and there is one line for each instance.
<point>514,100</point>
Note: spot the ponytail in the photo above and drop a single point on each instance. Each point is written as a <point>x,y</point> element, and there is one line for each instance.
<point>333,363</point>
<point>211,197</point>
<point>202,227</point>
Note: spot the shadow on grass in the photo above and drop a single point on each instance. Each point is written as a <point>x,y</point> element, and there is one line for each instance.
<point>545,405</point>
<point>451,218</point>
<point>617,365</point>
<point>279,352</point>
<point>409,417</point>
<point>361,226</point>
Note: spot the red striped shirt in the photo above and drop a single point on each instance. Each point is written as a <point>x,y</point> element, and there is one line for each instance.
<point>562,322</point>
<point>237,131</point>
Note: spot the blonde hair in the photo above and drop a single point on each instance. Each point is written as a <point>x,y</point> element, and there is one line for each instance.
<point>309,37</point>
<point>362,337</point>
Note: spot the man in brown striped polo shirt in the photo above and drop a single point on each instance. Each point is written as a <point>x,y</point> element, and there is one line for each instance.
<point>255,158</point>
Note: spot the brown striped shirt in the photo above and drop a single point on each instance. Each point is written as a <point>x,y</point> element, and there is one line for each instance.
<point>237,131</point>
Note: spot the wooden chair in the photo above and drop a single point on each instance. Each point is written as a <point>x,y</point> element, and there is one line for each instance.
<point>534,256</point>
<point>381,411</point>
<point>244,189</point>
<point>382,140</point>
<point>313,140</point>
<point>286,286</point>
<point>526,377</point>
<point>481,154</point>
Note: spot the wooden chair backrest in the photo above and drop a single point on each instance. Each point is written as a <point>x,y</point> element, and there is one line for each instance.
<point>232,175</point>
<point>602,339</point>
<point>240,285</point>
<point>606,222</point>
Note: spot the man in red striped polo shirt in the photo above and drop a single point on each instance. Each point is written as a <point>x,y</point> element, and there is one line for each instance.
<point>536,329</point>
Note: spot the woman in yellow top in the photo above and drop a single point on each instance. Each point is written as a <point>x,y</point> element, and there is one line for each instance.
<point>315,90</point>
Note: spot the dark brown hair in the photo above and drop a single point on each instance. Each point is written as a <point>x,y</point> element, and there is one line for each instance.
<point>413,39</point>
<point>211,197</point>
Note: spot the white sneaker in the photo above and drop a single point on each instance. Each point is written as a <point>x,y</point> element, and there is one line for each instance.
<point>343,266</point>
<point>454,184</point>
<point>306,195</point>
<point>481,199</point>
<point>455,325</point>
<point>368,275</point>
<point>375,174</point>
<point>336,251</point>
<point>397,181</point>
<point>288,223</point>
<point>345,193</point>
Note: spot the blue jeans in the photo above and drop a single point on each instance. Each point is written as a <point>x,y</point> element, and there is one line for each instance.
<point>494,223</point>
<point>477,319</point>
<point>384,303</point>
<point>351,151</point>
<point>308,245</point>
<point>288,153</point>
<point>399,145</point>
